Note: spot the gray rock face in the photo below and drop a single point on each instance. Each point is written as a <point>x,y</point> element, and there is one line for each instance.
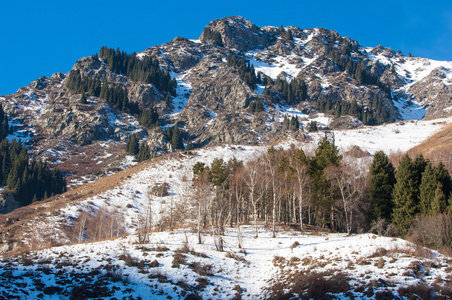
<point>434,91</point>
<point>239,33</point>
<point>216,86</point>
<point>346,122</point>
<point>144,94</point>
<point>183,53</point>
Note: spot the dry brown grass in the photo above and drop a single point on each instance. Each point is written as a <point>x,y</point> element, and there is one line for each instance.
<point>380,263</point>
<point>201,269</point>
<point>437,141</point>
<point>437,148</point>
<point>178,259</point>
<point>309,285</point>
<point>202,283</point>
<point>356,152</point>
<point>279,261</point>
<point>236,257</point>
<point>294,245</point>
<point>379,252</point>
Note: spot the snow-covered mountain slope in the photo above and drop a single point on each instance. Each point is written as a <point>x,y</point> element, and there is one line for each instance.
<point>411,69</point>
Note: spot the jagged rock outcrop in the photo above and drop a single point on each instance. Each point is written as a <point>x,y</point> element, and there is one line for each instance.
<point>183,53</point>
<point>217,87</point>
<point>346,122</point>
<point>240,34</point>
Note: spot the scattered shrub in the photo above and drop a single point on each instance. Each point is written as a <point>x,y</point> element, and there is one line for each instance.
<point>278,261</point>
<point>419,291</point>
<point>380,263</point>
<point>379,252</point>
<point>201,269</point>
<point>313,285</point>
<point>178,259</point>
<point>154,264</point>
<point>294,245</point>
<point>434,231</point>
<point>131,261</point>
<point>202,283</point>
<point>236,257</point>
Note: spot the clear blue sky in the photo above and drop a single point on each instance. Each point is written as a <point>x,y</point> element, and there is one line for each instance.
<point>39,38</point>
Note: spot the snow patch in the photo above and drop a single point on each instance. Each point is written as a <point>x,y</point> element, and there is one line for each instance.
<point>281,65</point>
<point>183,92</point>
<point>410,110</point>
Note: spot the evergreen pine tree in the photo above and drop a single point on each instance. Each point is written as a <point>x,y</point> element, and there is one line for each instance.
<point>4,126</point>
<point>199,168</point>
<point>326,154</point>
<point>218,172</point>
<point>144,152</point>
<point>176,139</point>
<point>83,99</point>
<point>439,202</point>
<point>132,145</point>
<point>312,126</point>
<point>449,207</point>
<point>169,133</point>
<point>168,101</point>
<point>419,164</point>
<point>443,176</point>
<point>381,185</point>
<point>405,195</point>
<point>427,190</point>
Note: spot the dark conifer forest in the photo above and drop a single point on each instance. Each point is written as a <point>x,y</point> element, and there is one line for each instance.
<point>28,179</point>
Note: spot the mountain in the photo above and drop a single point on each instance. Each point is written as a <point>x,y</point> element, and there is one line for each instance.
<point>237,83</point>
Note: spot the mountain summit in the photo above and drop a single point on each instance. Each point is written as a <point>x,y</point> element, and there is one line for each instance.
<point>239,34</point>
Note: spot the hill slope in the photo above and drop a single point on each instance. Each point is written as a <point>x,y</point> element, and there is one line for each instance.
<point>173,265</point>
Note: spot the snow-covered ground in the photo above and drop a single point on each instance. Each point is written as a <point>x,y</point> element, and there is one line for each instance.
<point>391,138</point>
<point>172,265</point>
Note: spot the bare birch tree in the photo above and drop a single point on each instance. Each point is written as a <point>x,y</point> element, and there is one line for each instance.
<point>253,179</point>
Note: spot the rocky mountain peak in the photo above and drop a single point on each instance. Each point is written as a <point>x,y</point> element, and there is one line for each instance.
<point>238,33</point>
